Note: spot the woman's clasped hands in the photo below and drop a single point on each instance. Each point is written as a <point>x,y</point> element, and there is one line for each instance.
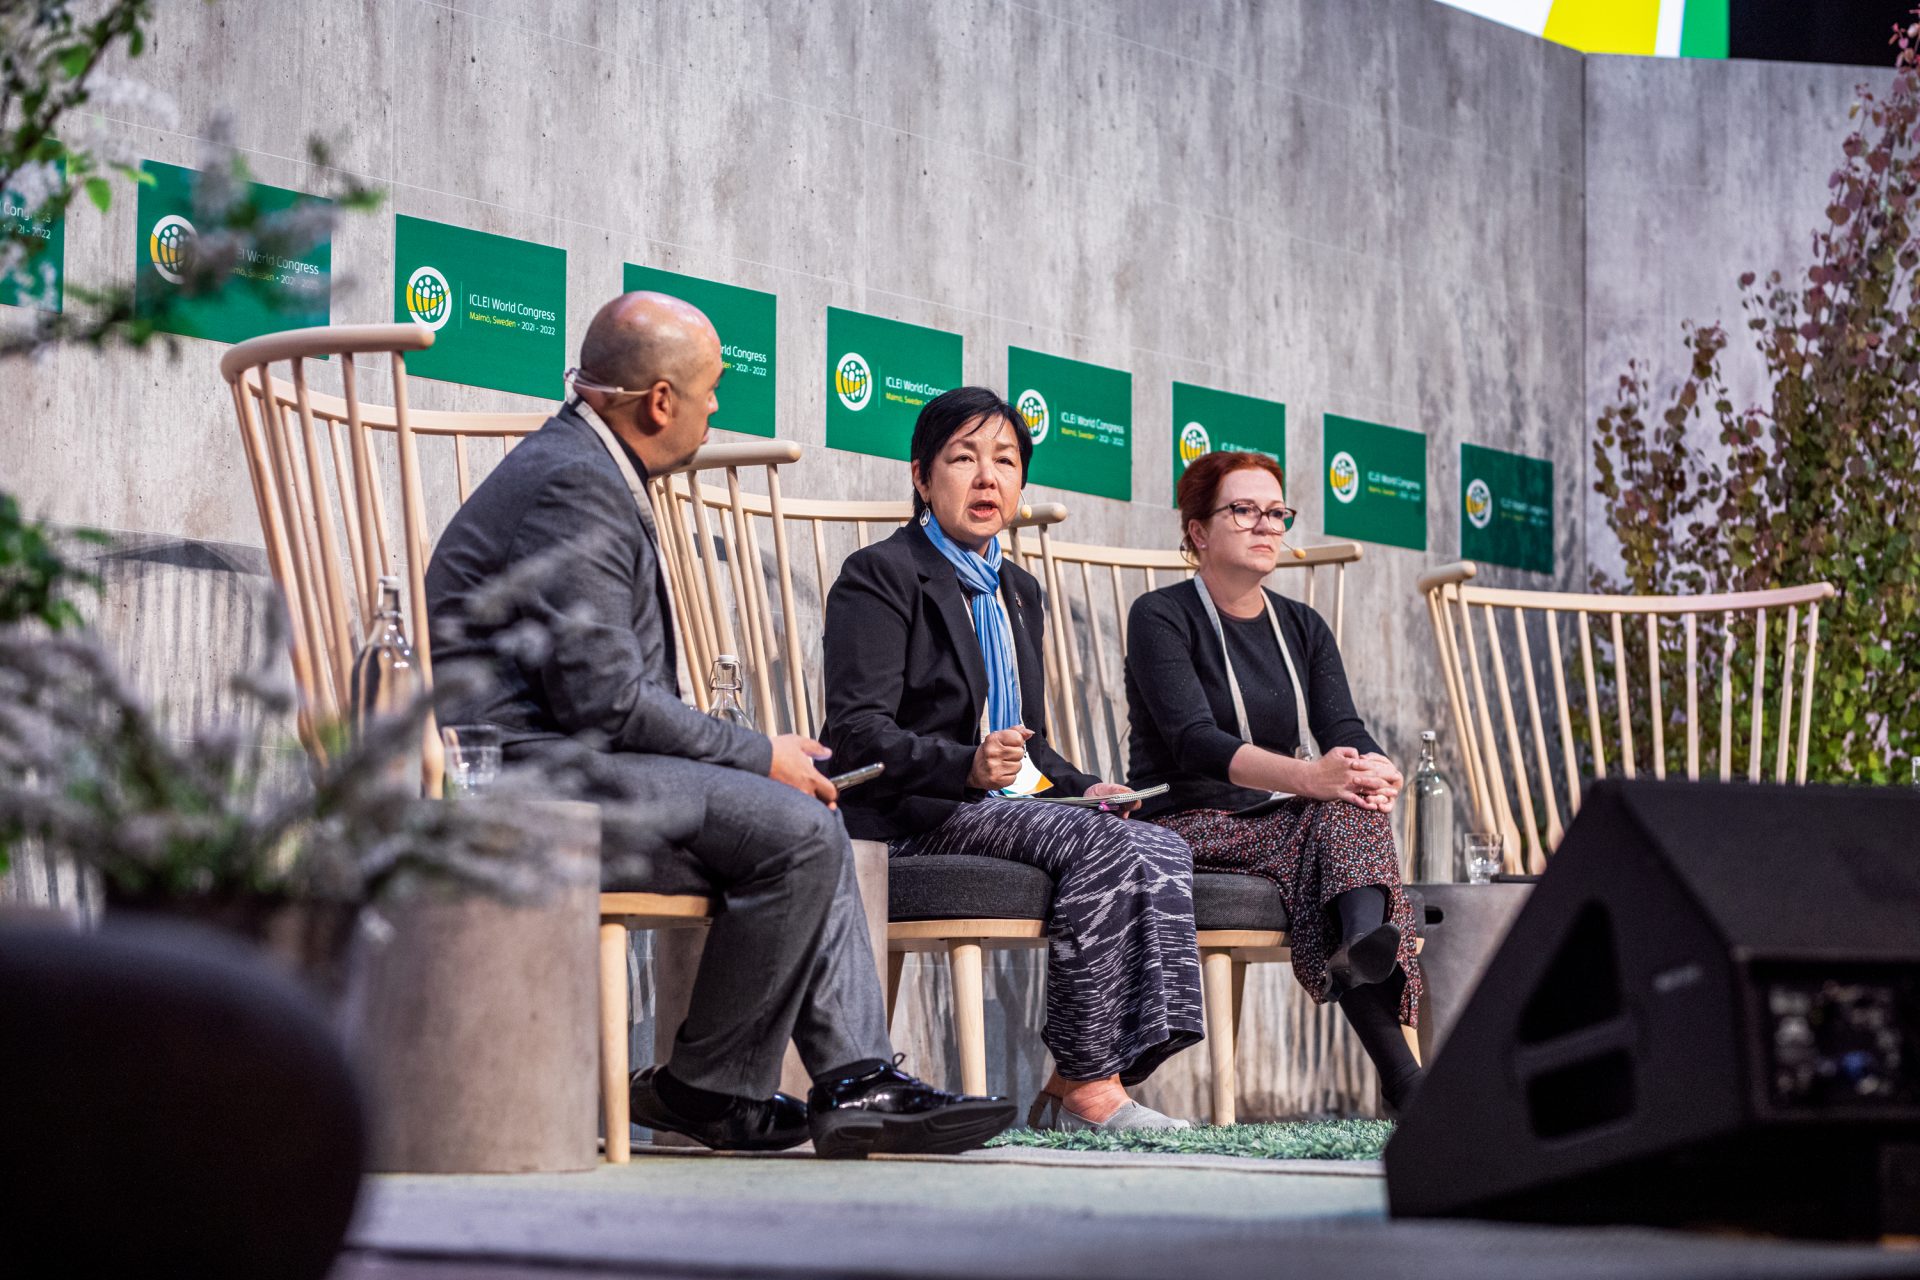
<point>1370,781</point>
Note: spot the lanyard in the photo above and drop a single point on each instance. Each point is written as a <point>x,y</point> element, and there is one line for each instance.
<point>1308,748</point>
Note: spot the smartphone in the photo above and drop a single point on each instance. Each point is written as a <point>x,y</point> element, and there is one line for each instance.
<point>854,777</point>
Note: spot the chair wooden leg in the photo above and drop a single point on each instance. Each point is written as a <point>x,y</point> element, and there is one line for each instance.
<point>613,1039</point>
<point>1239,993</point>
<point>969,1013</point>
<point>896,961</point>
<point>1216,973</point>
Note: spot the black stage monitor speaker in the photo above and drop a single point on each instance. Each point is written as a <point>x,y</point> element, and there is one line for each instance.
<point>1708,1013</point>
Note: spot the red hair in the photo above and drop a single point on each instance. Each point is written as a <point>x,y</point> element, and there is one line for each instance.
<point>1199,489</point>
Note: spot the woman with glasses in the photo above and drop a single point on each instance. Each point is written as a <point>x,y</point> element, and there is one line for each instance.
<point>1237,699</point>
<point>935,667</point>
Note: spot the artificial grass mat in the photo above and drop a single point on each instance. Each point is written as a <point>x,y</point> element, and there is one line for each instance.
<point>1287,1140</point>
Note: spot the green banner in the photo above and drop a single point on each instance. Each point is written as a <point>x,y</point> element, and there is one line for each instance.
<point>1208,421</point>
<point>497,306</point>
<point>1506,508</point>
<point>263,295</point>
<point>744,319</point>
<point>1081,418</point>
<point>1376,483</point>
<point>40,280</point>
<point>879,373</point>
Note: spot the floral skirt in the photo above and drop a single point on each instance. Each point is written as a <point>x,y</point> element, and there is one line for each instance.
<point>1315,850</point>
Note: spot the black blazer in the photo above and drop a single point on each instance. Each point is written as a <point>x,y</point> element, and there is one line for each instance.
<point>906,684</point>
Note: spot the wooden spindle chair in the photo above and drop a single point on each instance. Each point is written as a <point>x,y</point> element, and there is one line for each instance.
<point>1511,656</point>
<point>739,554</point>
<point>327,471</point>
<point>1239,918</point>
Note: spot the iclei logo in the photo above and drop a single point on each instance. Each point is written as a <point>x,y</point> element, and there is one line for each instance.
<point>429,300</point>
<point>853,381</point>
<point>1343,476</point>
<point>1194,444</point>
<point>1479,504</point>
<point>170,245</point>
<point>1033,411</point>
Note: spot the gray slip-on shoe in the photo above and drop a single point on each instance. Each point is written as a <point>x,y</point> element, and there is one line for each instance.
<point>1048,1112</point>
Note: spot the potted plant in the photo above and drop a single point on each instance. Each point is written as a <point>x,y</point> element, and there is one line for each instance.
<point>205,826</point>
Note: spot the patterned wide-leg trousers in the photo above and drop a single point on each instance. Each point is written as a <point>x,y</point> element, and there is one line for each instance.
<point>1315,850</point>
<point>1123,971</point>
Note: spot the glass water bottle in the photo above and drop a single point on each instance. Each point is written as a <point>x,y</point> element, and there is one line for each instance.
<point>725,704</point>
<point>1432,836</point>
<point>385,677</point>
<point>383,670</point>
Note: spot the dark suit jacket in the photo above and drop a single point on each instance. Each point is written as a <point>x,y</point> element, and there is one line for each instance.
<point>579,639</point>
<point>906,684</point>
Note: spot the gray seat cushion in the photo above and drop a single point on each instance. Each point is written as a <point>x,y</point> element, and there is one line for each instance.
<point>959,886</point>
<point>1229,900</point>
<point>962,887</point>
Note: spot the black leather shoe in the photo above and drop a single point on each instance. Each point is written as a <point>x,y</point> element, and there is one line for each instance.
<point>1362,961</point>
<point>887,1110</point>
<point>773,1124</point>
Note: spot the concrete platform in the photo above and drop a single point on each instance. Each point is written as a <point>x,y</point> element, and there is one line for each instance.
<point>1026,1213</point>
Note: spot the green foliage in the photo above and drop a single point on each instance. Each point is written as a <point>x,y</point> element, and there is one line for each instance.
<point>1822,483</point>
<point>51,55</point>
<point>91,775</point>
<point>36,575</point>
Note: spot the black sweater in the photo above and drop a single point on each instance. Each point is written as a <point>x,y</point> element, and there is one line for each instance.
<point>1182,730</point>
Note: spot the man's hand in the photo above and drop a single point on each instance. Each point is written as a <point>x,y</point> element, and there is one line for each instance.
<point>1114,789</point>
<point>793,757</point>
<point>996,761</point>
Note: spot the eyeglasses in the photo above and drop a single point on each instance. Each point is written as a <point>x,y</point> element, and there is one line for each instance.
<point>1246,515</point>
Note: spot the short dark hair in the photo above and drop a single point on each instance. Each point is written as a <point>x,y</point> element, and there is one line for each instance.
<point>947,414</point>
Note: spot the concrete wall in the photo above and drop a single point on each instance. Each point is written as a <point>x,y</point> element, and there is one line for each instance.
<point>1326,204</point>
<point>1696,172</point>
<point>1368,207</point>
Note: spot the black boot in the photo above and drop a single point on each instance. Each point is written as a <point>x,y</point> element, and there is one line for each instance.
<point>1373,1011</point>
<point>1369,949</point>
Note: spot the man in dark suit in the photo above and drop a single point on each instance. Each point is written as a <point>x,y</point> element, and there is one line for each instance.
<point>581,652</point>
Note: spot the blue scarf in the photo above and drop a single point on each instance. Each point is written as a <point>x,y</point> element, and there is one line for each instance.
<point>980,579</point>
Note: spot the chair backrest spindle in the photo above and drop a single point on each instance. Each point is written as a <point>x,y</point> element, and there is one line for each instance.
<point>1504,774</point>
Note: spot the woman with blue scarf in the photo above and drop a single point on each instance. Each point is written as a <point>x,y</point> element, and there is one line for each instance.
<point>934,667</point>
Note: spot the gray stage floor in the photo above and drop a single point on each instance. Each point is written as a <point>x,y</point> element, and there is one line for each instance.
<point>1001,1214</point>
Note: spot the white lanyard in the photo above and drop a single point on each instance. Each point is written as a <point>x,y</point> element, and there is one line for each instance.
<point>1308,748</point>
<point>682,676</point>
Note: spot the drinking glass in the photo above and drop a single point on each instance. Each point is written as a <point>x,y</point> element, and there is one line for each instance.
<point>1483,856</point>
<point>472,757</point>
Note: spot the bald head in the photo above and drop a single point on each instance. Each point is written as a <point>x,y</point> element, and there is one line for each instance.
<point>641,338</point>
<point>665,357</point>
